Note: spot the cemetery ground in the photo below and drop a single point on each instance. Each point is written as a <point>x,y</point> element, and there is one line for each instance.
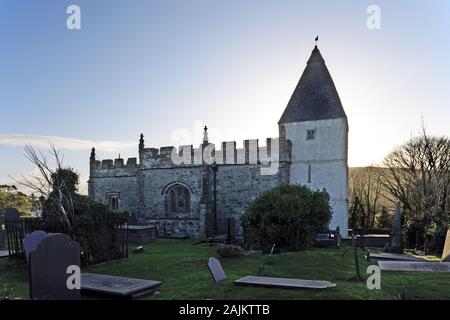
<point>182,268</point>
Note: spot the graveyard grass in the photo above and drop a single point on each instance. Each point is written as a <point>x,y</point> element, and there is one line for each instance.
<point>182,268</point>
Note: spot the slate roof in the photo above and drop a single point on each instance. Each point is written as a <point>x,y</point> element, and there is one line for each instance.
<point>315,97</point>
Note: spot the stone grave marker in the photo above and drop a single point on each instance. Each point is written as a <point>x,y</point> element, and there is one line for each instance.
<point>32,240</point>
<point>114,286</point>
<point>446,252</point>
<point>48,268</point>
<point>11,214</point>
<point>395,245</point>
<point>414,266</point>
<point>216,270</point>
<point>283,283</point>
<point>392,257</point>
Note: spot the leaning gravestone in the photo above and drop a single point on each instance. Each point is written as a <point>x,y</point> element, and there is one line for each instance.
<point>49,268</point>
<point>216,270</point>
<point>446,252</point>
<point>32,241</point>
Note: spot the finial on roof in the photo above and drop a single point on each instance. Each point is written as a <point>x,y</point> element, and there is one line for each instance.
<point>317,39</point>
<point>205,134</point>
<point>93,154</point>
<point>141,142</point>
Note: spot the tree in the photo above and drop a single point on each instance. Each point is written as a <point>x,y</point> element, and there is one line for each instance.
<point>366,191</point>
<point>419,177</point>
<point>57,184</point>
<point>10,197</point>
<point>289,216</point>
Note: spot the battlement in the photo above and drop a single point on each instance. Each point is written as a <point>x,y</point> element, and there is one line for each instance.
<point>206,153</point>
<point>108,164</point>
<point>165,157</point>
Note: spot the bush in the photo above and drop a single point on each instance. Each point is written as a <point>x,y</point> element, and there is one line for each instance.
<point>289,216</point>
<point>94,227</point>
<point>86,210</point>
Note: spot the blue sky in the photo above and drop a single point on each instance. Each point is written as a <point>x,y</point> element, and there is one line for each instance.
<point>170,66</point>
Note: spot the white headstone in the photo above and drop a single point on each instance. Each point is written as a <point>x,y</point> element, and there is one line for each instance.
<point>32,240</point>
<point>216,270</point>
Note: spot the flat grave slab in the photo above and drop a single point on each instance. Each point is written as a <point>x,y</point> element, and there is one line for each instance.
<point>393,257</point>
<point>121,287</point>
<point>414,266</point>
<point>4,253</point>
<point>283,283</point>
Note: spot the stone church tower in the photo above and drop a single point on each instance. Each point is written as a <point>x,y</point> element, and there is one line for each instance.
<point>314,138</point>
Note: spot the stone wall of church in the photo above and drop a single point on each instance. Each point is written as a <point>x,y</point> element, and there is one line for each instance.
<point>114,180</point>
<point>154,184</point>
<point>241,176</point>
<point>237,187</point>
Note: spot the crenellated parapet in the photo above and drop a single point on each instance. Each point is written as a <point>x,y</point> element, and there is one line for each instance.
<point>207,153</point>
<point>226,153</point>
<point>112,167</point>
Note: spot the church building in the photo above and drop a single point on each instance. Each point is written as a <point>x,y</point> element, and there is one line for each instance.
<point>197,191</point>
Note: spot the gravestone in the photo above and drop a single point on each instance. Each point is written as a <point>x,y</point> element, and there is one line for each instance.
<point>395,245</point>
<point>391,257</point>
<point>118,287</point>
<point>12,214</point>
<point>414,266</point>
<point>446,252</point>
<point>216,270</point>
<point>283,283</point>
<point>48,268</point>
<point>32,240</point>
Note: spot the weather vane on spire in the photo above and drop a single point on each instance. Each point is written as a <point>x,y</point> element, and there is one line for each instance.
<point>317,39</point>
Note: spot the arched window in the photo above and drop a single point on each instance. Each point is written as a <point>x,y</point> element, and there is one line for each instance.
<point>178,200</point>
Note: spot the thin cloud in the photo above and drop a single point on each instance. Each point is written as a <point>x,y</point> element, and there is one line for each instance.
<point>63,143</point>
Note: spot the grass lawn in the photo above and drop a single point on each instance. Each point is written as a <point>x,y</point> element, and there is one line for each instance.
<point>182,269</point>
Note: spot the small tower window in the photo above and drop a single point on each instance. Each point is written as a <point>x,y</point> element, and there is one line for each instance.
<point>310,134</point>
<point>309,173</point>
<point>113,200</point>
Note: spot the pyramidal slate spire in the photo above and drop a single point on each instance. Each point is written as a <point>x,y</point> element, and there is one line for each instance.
<point>315,97</point>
